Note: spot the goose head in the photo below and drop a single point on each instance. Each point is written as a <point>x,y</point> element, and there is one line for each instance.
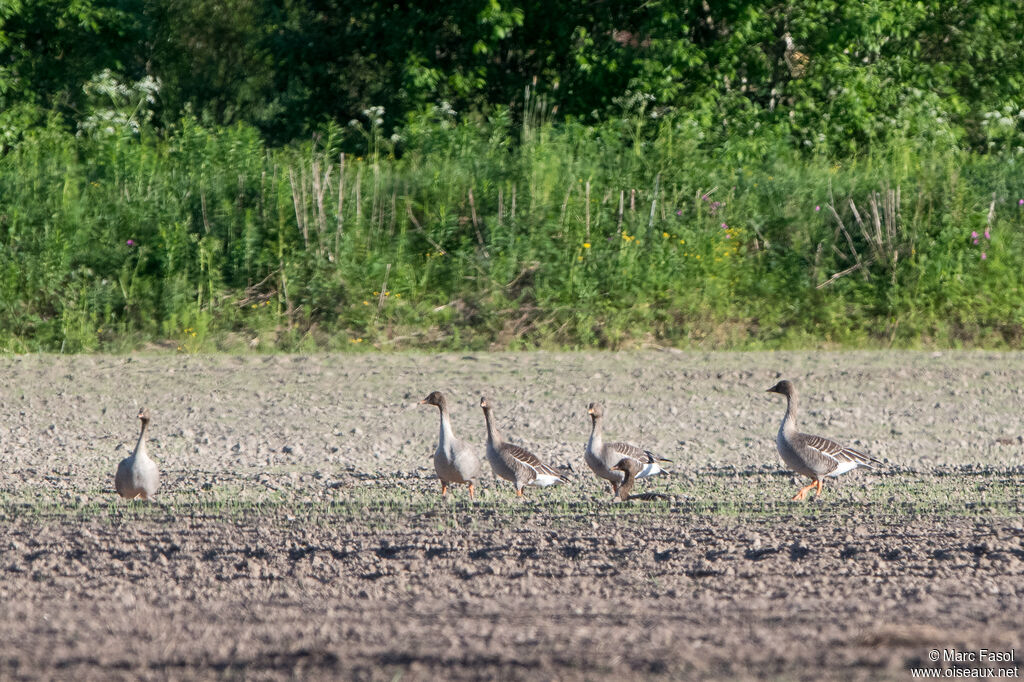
<point>630,468</point>
<point>784,387</point>
<point>436,398</point>
<point>595,410</point>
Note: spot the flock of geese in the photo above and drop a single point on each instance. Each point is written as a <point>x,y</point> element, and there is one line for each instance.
<point>621,464</point>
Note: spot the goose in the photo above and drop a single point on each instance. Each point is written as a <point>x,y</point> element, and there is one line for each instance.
<point>630,468</point>
<point>455,461</point>
<point>137,475</point>
<point>812,456</point>
<point>514,463</point>
<point>602,457</point>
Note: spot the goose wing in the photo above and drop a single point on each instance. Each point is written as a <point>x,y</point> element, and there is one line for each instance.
<point>620,450</point>
<point>824,455</point>
<point>525,461</point>
<point>123,478</point>
<point>465,459</point>
<point>120,480</point>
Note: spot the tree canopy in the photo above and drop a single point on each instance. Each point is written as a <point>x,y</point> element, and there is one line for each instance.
<point>831,76</point>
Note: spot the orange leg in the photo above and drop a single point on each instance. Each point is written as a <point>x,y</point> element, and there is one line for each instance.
<point>818,493</point>
<point>519,492</point>
<point>806,489</point>
<point>471,491</point>
<point>444,488</point>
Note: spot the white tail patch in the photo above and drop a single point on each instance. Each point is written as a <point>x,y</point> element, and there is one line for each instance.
<point>544,480</point>
<point>846,466</point>
<point>650,470</point>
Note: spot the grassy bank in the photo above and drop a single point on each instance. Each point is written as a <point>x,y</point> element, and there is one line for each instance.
<point>494,235</point>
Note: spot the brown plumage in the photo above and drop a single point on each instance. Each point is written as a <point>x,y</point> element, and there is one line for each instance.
<point>630,468</point>
<point>812,456</point>
<point>601,457</point>
<point>514,463</point>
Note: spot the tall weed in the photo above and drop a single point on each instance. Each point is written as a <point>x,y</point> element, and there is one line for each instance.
<point>493,233</point>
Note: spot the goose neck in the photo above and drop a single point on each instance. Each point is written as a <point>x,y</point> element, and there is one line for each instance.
<point>140,446</point>
<point>596,440</point>
<point>447,435</point>
<point>492,431</point>
<point>789,420</point>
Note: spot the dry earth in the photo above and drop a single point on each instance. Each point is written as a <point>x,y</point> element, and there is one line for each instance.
<point>299,532</point>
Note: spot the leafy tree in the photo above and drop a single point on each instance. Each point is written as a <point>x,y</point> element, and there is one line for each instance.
<point>50,48</point>
<point>212,57</point>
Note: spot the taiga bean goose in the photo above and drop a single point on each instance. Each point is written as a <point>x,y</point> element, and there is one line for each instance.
<point>454,460</point>
<point>602,457</point>
<point>136,474</point>
<point>514,463</point>
<point>812,456</point>
<point>629,467</point>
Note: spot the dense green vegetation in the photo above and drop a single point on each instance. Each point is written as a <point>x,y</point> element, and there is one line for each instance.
<point>347,175</point>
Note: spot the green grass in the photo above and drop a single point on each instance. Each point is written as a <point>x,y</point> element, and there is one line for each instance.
<point>710,493</point>
<point>488,235</point>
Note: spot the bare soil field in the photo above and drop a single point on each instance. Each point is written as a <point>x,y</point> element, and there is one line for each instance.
<point>299,532</point>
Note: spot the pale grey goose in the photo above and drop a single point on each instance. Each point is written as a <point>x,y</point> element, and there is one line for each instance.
<point>455,461</point>
<point>812,456</point>
<point>137,475</point>
<point>514,463</point>
<point>602,457</point>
